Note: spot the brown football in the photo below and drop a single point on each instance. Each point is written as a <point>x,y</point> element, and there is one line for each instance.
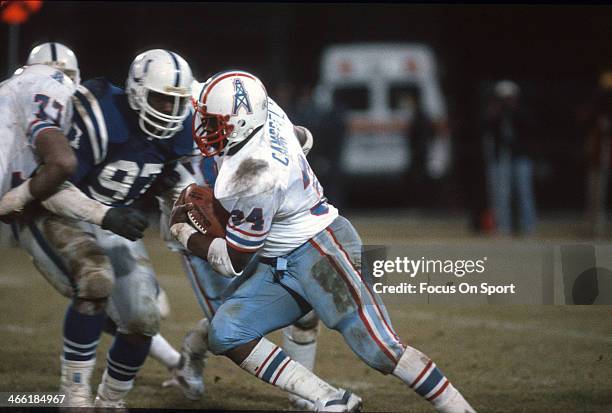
<point>207,215</point>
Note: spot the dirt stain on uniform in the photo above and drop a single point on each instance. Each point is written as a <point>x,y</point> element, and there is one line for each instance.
<point>88,265</point>
<point>248,171</point>
<point>327,277</point>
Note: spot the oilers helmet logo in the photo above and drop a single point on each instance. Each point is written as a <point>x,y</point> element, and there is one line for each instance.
<point>241,98</point>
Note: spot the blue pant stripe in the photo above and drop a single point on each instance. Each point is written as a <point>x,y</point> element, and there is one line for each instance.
<point>273,366</point>
<point>430,383</point>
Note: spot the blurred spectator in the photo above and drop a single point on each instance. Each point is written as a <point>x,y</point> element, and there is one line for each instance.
<point>508,136</point>
<point>328,127</point>
<point>598,124</point>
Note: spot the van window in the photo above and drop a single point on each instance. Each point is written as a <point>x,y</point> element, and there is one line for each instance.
<point>353,97</point>
<point>403,96</point>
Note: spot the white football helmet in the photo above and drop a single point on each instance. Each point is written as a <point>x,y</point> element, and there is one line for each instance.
<point>232,106</point>
<point>158,87</point>
<point>58,56</point>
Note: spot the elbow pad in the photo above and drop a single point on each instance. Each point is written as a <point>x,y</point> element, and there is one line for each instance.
<point>219,259</point>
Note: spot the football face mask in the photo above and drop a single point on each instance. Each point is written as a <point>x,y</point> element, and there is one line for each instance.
<point>210,131</point>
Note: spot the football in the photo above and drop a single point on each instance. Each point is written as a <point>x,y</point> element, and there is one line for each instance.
<point>207,214</point>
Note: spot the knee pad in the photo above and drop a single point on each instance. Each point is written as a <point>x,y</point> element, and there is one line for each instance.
<point>144,320</point>
<point>225,334</point>
<point>86,261</point>
<point>305,330</point>
<point>95,284</point>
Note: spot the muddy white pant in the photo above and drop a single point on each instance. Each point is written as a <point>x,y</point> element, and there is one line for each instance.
<point>82,260</point>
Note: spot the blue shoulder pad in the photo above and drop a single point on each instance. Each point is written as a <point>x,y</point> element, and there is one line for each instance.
<point>97,108</point>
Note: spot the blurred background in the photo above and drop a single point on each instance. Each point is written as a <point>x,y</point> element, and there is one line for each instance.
<point>493,115</point>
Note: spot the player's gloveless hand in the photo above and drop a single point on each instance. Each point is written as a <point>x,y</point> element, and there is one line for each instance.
<point>129,223</point>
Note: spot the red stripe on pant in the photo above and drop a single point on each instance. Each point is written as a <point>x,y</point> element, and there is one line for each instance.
<point>355,296</point>
<point>194,274</point>
<point>382,316</point>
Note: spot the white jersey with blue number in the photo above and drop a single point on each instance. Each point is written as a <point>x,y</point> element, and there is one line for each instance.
<point>275,201</point>
<point>34,99</point>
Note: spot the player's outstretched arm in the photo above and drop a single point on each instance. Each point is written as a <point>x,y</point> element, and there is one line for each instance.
<point>71,202</point>
<point>58,164</point>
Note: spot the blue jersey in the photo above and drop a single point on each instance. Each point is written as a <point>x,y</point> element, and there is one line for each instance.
<point>117,161</point>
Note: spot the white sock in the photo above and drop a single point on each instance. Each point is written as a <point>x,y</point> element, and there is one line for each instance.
<point>113,389</point>
<point>300,345</point>
<point>421,374</point>
<point>78,372</point>
<point>163,352</point>
<point>269,362</point>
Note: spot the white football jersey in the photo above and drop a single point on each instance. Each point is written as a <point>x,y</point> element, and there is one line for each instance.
<point>34,99</point>
<point>275,200</point>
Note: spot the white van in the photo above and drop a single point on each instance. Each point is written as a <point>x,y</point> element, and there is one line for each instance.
<point>378,84</point>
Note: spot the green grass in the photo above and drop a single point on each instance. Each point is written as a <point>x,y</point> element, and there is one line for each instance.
<point>503,358</point>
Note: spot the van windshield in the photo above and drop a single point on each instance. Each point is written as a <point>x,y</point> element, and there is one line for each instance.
<point>404,96</point>
<point>352,97</point>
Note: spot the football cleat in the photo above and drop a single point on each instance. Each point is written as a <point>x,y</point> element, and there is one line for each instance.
<point>188,376</point>
<point>77,395</point>
<point>301,404</point>
<point>102,404</point>
<point>111,393</point>
<point>342,401</point>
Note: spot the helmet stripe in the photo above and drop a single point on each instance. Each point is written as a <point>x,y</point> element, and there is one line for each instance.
<point>220,77</point>
<point>53,52</point>
<point>177,76</point>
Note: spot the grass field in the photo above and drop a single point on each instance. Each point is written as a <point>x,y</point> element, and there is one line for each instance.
<point>503,358</point>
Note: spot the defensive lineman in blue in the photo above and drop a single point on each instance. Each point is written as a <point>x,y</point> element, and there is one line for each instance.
<point>306,256</point>
<point>88,247</point>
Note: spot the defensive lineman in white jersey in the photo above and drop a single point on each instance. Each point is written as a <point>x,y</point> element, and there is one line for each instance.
<point>35,115</point>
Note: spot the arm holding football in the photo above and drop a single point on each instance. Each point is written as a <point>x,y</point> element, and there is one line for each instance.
<point>198,223</point>
<point>206,246</point>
